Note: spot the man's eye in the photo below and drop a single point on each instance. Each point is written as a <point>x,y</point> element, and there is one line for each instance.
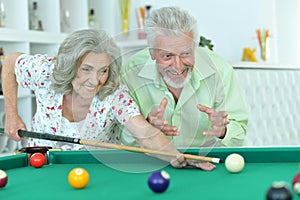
<point>167,56</point>
<point>185,54</point>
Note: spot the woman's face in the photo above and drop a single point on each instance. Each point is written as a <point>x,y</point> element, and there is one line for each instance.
<point>92,74</point>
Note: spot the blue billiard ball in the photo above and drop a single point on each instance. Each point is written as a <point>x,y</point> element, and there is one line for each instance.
<point>159,181</point>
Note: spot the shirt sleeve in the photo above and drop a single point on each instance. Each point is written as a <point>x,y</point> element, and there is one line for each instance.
<point>237,113</point>
<point>232,102</point>
<point>124,106</point>
<point>34,71</point>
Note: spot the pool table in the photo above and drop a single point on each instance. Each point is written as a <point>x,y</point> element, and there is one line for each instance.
<point>116,174</point>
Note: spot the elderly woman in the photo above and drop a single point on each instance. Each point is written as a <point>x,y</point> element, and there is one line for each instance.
<point>78,94</point>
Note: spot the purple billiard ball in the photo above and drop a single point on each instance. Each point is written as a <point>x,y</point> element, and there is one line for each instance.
<point>159,181</point>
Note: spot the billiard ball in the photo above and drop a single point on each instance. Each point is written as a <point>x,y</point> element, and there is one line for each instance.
<point>296,183</point>
<point>37,160</point>
<point>78,178</point>
<point>3,179</point>
<point>159,181</point>
<point>234,163</point>
<point>279,191</point>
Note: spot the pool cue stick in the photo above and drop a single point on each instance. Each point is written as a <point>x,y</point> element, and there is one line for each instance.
<point>52,137</point>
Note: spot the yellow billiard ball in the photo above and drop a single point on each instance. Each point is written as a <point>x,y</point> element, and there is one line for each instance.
<point>78,178</point>
<point>234,163</point>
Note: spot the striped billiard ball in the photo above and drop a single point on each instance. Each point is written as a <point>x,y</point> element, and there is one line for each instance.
<point>159,181</point>
<point>3,179</point>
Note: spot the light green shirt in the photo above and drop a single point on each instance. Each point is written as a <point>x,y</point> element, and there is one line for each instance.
<point>213,84</point>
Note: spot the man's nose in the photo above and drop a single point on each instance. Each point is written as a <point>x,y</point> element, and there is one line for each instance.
<point>178,64</point>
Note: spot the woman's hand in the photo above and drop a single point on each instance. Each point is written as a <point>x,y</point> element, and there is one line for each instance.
<point>13,123</point>
<point>181,162</point>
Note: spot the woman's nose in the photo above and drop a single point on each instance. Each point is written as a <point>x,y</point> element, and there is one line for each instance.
<point>95,78</point>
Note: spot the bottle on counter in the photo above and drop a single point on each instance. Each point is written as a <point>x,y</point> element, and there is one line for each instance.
<point>35,21</point>
<point>93,23</point>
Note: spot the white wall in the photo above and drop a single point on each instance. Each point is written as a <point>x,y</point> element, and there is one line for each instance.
<point>232,24</point>
<point>288,31</point>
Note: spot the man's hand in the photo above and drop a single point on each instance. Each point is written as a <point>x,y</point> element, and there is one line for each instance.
<point>218,121</point>
<point>155,117</point>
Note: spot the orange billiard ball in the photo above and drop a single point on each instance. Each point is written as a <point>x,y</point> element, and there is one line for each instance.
<point>78,178</point>
<point>37,160</point>
<point>3,179</point>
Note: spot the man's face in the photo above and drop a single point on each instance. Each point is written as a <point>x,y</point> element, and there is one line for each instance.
<point>174,57</point>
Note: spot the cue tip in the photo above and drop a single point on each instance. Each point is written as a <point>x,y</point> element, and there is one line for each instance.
<point>216,160</point>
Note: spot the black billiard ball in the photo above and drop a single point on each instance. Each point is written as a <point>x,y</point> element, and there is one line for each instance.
<point>159,181</point>
<point>279,191</point>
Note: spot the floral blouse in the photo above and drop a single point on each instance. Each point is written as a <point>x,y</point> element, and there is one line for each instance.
<point>34,72</point>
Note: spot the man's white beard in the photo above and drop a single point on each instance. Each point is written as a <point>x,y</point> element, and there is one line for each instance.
<point>179,83</point>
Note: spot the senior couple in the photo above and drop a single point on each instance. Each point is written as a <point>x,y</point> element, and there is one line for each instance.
<point>172,94</point>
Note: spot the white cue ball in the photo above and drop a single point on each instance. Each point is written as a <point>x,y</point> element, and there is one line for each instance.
<point>234,163</point>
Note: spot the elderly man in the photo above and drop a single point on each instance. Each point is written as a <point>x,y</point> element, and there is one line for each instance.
<point>189,92</point>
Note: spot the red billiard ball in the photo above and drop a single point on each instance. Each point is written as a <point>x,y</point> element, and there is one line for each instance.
<point>3,179</point>
<point>159,181</point>
<point>296,183</point>
<point>279,191</point>
<point>37,160</point>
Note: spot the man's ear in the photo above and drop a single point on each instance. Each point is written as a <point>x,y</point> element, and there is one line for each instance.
<point>151,51</point>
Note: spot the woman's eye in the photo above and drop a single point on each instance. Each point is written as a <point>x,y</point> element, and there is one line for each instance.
<point>103,71</point>
<point>85,69</point>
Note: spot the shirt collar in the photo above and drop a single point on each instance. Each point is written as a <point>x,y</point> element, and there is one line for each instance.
<point>149,71</point>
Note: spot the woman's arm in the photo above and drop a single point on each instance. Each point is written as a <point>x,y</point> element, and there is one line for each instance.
<point>150,137</point>
<point>13,121</point>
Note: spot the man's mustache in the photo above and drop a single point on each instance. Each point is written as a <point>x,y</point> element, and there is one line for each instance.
<point>174,72</point>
